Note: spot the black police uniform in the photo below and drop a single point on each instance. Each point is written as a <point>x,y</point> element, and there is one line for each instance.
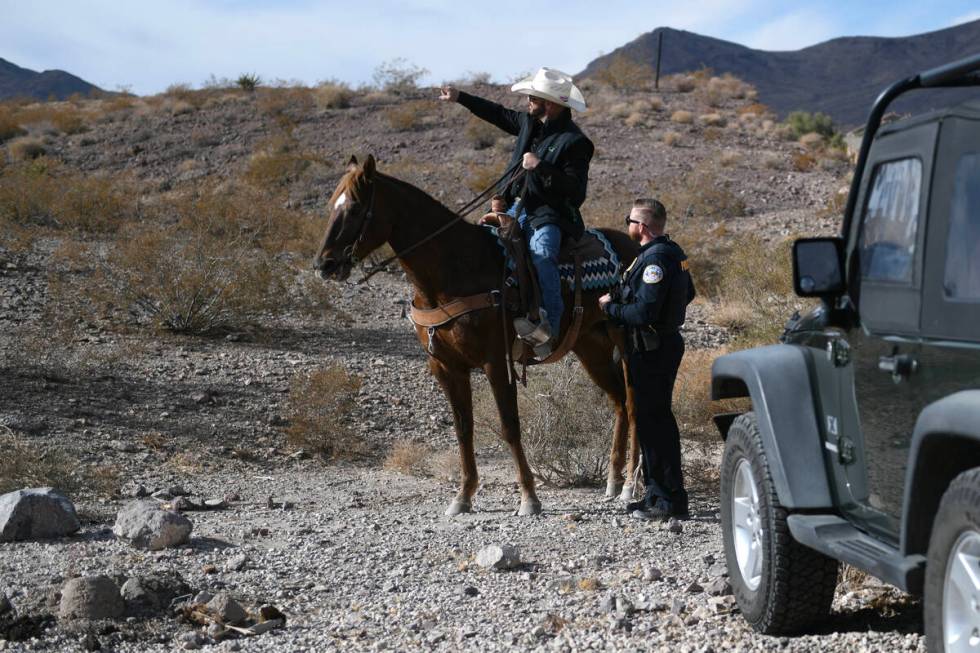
<point>654,295</point>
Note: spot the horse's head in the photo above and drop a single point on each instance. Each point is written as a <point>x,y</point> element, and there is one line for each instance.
<point>355,229</point>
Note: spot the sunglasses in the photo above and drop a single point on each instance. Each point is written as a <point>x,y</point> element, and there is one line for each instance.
<point>630,220</point>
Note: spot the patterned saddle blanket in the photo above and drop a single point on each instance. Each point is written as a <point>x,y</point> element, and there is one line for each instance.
<point>600,263</point>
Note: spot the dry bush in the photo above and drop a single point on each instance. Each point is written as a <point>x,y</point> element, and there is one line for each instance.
<point>692,393</point>
<point>378,98</point>
<point>409,458</point>
<point>332,95</point>
<point>444,466</point>
<point>682,117</point>
<point>619,110</point>
<point>481,175</point>
<point>656,104</point>
<point>700,193</point>
<point>811,141</point>
<point>713,120</point>
<point>671,139</point>
<point>26,465</point>
<point>286,105</point>
<point>803,161</point>
<point>566,423</point>
<point>9,128</point>
<point>398,76</point>
<point>480,134</point>
<point>26,147</point>
<point>320,406</point>
<point>772,160</point>
<point>712,134</point>
<point>625,74</point>
<point>682,83</point>
<point>635,119</point>
<point>730,158</point>
<point>754,109</point>
<point>278,162</point>
<point>407,116</point>
<point>179,107</point>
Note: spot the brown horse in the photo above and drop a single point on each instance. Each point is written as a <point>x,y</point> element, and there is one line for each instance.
<point>368,209</point>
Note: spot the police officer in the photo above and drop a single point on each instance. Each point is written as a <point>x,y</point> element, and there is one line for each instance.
<point>651,304</point>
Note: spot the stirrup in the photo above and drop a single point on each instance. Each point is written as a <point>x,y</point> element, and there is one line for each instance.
<point>534,334</point>
<point>544,350</point>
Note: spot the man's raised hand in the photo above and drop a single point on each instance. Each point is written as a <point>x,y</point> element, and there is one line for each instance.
<point>449,94</point>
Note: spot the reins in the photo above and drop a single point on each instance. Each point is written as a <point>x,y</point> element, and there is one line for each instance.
<point>460,215</point>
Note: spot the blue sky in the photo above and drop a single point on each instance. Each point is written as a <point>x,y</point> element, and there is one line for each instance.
<point>148,46</point>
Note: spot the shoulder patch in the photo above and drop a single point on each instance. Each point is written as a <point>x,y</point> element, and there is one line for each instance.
<point>653,274</point>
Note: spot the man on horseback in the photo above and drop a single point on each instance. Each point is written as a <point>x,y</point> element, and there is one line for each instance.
<point>555,155</point>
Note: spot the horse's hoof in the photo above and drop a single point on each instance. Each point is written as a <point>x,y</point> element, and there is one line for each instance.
<point>627,493</point>
<point>529,508</point>
<point>458,508</point>
<point>613,488</point>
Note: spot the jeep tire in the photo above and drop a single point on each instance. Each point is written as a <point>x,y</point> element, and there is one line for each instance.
<point>791,588</point>
<point>950,608</point>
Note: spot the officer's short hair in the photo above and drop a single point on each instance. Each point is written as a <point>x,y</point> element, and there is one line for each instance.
<point>653,209</point>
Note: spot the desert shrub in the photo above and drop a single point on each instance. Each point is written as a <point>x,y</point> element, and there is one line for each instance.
<point>180,91</point>
<point>683,83</point>
<point>635,119</point>
<point>410,458</point>
<point>25,464</point>
<point>803,122</point>
<point>700,193</point>
<point>772,160</point>
<point>407,116</point>
<point>9,127</point>
<point>811,141</point>
<point>619,110</point>
<point>179,107</point>
<point>803,161</point>
<point>277,162</point>
<point>332,95</point>
<point>671,139</point>
<point>320,405</point>
<point>26,147</point>
<point>712,134</point>
<point>566,425</point>
<point>481,175</point>
<point>713,120</point>
<point>285,105</point>
<point>398,76</point>
<point>248,82</point>
<point>682,117</point>
<point>185,281</point>
<point>625,74</point>
<point>754,109</point>
<point>719,89</point>
<point>480,134</point>
<point>729,158</point>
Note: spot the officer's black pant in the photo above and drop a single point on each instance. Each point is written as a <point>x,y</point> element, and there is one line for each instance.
<point>652,374</point>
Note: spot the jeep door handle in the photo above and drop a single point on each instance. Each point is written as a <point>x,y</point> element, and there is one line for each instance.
<point>900,366</point>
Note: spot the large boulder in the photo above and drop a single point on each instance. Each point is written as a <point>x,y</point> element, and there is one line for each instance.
<point>91,597</point>
<point>36,513</point>
<point>147,526</point>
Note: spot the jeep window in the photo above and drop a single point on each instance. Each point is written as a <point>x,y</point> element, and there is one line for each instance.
<point>962,278</point>
<point>890,222</point>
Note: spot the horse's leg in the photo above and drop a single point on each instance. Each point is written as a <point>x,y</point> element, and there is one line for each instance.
<point>505,395</point>
<point>595,351</point>
<point>456,384</point>
<point>633,458</point>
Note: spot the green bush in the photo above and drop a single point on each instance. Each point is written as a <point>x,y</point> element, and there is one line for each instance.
<point>804,122</point>
<point>248,81</point>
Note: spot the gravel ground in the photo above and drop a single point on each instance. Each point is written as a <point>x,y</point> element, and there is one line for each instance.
<point>360,558</point>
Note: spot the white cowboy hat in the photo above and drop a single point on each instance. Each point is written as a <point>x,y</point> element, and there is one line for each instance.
<point>553,85</point>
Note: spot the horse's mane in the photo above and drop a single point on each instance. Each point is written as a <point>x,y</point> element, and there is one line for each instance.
<point>353,184</point>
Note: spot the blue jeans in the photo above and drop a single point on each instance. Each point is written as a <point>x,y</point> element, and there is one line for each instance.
<point>544,243</point>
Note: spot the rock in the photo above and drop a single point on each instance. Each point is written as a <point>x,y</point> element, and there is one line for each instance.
<point>134,490</point>
<point>608,603</point>
<point>694,588</point>
<point>146,526</point>
<point>624,607</point>
<point>5,605</point>
<point>153,592</point>
<point>36,513</point>
<point>215,504</point>
<point>191,641</point>
<point>469,590</point>
<point>675,526</point>
<point>498,556</point>
<point>652,574</point>
<point>718,587</point>
<point>227,609</point>
<point>124,446</point>
<point>237,563</point>
<point>718,570</point>
<point>203,597</point>
<point>677,606</point>
<point>91,597</point>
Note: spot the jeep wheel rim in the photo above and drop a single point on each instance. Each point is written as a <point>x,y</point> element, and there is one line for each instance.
<point>746,525</point>
<point>961,595</point>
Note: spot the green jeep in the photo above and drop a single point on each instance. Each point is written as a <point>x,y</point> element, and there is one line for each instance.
<point>863,442</point>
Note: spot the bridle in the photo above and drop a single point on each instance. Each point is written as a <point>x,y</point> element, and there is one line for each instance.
<point>460,214</point>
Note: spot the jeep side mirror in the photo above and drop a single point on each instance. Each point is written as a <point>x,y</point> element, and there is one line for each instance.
<point>818,267</point>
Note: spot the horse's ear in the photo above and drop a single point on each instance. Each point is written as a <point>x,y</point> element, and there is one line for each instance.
<point>352,163</point>
<point>369,166</point>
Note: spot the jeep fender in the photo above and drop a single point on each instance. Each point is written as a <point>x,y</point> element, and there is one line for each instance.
<point>777,378</point>
<point>945,442</point>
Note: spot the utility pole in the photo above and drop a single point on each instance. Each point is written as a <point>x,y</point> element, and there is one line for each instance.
<point>660,50</point>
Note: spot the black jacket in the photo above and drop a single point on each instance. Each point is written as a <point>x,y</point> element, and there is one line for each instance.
<point>656,288</point>
<point>556,188</point>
